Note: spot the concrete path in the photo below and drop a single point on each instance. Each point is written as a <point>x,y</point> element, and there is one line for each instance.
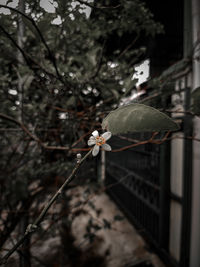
<point>121,244</point>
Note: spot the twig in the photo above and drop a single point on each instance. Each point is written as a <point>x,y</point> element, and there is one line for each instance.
<point>36,139</point>
<point>98,7</point>
<point>151,140</point>
<point>80,139</point>
<point>33,227</point>
<point>128,47</point>
<point>99,63</point>
<point>158,142</point>
<point>29,60</point>
<point>51,57</point>
<point>33,137</point>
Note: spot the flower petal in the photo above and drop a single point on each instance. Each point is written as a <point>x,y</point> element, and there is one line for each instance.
<point>95,133</point>
<point>78,156</point>
<point>95,150</point>
<point>91,142</point>
<point>106,147</point>
<point>92,138</point>
<point>106,135</point>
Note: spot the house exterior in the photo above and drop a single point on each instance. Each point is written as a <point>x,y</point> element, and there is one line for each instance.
<point>158,186</point>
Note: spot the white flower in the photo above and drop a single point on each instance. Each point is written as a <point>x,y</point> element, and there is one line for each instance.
<point>78,157</point>
<point>98,141</point>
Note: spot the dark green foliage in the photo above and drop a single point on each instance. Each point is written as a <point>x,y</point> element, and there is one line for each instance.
<point>59,86</point>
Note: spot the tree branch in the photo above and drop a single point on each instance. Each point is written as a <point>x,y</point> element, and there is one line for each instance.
<point>51,56</point>
<point>27,58</point>
<point>33,227</point>
<point>33,137</point>
<point>97,7</point>
<point>15,44</point>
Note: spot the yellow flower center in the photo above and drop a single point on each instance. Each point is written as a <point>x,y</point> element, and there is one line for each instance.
<point>100,141</point>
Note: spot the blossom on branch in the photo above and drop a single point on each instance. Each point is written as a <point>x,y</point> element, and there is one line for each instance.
<point>98,141</point>
<point>78,158</point>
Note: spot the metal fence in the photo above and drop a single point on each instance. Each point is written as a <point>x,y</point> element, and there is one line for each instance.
<point>152,183</point>
<point>137,186</point>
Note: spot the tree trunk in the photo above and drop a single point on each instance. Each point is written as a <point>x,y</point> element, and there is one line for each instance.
<point>25,249</point>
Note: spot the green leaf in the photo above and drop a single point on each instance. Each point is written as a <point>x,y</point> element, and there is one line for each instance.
<point>129,84</point>
<point>115,93</point>
<point>71,102</point>
<point>31,27</point>
<point>27,80</point>
<point>138,118</point>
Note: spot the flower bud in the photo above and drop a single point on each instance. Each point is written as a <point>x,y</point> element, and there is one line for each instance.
<point>78,157</point>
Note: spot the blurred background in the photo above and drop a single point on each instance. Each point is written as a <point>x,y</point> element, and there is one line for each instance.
<point>65,65</point>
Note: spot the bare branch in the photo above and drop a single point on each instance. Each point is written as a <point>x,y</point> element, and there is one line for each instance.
<point>27,59</point>
<point>33,137</point>
<point>51,56</point>
<point>98,7</point>
<point>33,227</point>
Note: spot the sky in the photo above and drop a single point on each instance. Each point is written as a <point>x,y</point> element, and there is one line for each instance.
<point>12,3</point>
<point>142,72</point>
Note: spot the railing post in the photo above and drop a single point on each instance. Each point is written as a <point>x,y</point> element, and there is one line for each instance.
<point>164,195</point>
<point>187,186</point>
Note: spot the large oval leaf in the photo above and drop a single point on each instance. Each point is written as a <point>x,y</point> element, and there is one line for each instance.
<point>138,118</point>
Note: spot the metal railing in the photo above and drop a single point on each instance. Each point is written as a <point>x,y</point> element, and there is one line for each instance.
<point>152,183</point>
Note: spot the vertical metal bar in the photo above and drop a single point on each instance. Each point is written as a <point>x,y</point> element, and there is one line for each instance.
<point>187,35</point>
<point>187,185</point>
<point>164,195</point>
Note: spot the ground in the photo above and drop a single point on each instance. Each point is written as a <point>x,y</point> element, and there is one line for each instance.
<point>99,235</point>
<point>121,245</point>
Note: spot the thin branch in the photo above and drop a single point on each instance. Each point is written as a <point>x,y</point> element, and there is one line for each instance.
<point>189,112</point>
<point>99,63</point>
<point>81,138</point>
<point>4,116</point>
<point>33,137</point>
<point>33,227</point>
<point>27,58</point>
<point>14,217</point>
<point>51,56</point>
<point>151,140</point>
<point>98,7</point>
<point>150,97</point>
<point>36,139</point>
<point>128,47</point>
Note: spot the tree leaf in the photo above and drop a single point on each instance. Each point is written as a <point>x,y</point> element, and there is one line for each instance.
<point>129,84</point>
<point>27,80</point>
<point>138,118</point>
<point>71,102</point>
<point>31,27</point>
